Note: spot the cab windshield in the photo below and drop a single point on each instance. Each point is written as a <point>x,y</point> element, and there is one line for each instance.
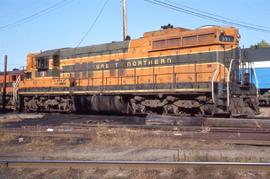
<point>226,38</point>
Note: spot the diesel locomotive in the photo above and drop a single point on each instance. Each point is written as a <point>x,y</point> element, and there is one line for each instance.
<point>174,71</point>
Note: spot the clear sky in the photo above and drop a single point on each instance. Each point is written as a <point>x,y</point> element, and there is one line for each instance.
<point>65,26</point>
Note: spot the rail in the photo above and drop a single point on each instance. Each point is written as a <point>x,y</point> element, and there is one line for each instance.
<point>172,78</point>
<point>66,164</point>
<point>78,130</point>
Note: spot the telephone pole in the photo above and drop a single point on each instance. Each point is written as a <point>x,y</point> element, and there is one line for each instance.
<point>124,19</point>
<point>5,83</point>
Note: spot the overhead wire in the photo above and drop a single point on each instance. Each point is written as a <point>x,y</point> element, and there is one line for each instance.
<point>205,16</point>
<point>15,12</point>
<point>36,14</point>
<point>216,15</point>
<point>94,23</point>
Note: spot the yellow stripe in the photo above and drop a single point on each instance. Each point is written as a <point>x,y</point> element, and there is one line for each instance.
<point>122,91</point>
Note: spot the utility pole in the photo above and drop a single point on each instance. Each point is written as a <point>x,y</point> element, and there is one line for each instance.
<point>124,19</point>
<point>5,83</point>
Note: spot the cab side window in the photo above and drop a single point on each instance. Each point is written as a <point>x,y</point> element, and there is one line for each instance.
<point>28,75</point>
<point>42,63</point>
<point>56,60</point>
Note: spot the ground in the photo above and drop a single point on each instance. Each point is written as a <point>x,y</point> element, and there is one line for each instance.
<point>101,143</point>
<point>265,112</point>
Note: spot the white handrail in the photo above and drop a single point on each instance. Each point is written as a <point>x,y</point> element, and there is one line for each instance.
<point>256,79</point>
<point>213,79</point>
<point>15,90</point>
<point>228,82</point>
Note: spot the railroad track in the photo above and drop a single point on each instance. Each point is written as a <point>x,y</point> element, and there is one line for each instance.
<point>243,136</point>
<point>256,128</point>
<point>173,124</point>
<point>236,131</point>
<point>65,164</point>
<point>158,121</point>
<point>79,128</point>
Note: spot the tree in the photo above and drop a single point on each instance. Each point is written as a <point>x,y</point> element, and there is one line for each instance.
<point>261,44</point>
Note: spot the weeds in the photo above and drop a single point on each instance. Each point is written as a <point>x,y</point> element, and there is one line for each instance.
<point>42,141</point>
<point>144,174</point>
<point>6,137</point>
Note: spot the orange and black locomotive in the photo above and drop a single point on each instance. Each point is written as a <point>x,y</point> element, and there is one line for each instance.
<point>174,71</point>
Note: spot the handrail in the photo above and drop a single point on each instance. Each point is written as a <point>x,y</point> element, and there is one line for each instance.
<point>150,75</point>
<point>228,82</point>
<point>15,90</point>
<point>213,79</point>
<point>256,79</point>
<point>106,79</point>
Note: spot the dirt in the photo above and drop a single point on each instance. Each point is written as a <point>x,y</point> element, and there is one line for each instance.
<point>124,144</point>
<point>15,120</point>
<point>17,117</point>
<point>265,112</point>
<point>189,173</point>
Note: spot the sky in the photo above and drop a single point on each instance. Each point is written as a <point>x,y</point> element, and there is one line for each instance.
<point>65,26</point>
